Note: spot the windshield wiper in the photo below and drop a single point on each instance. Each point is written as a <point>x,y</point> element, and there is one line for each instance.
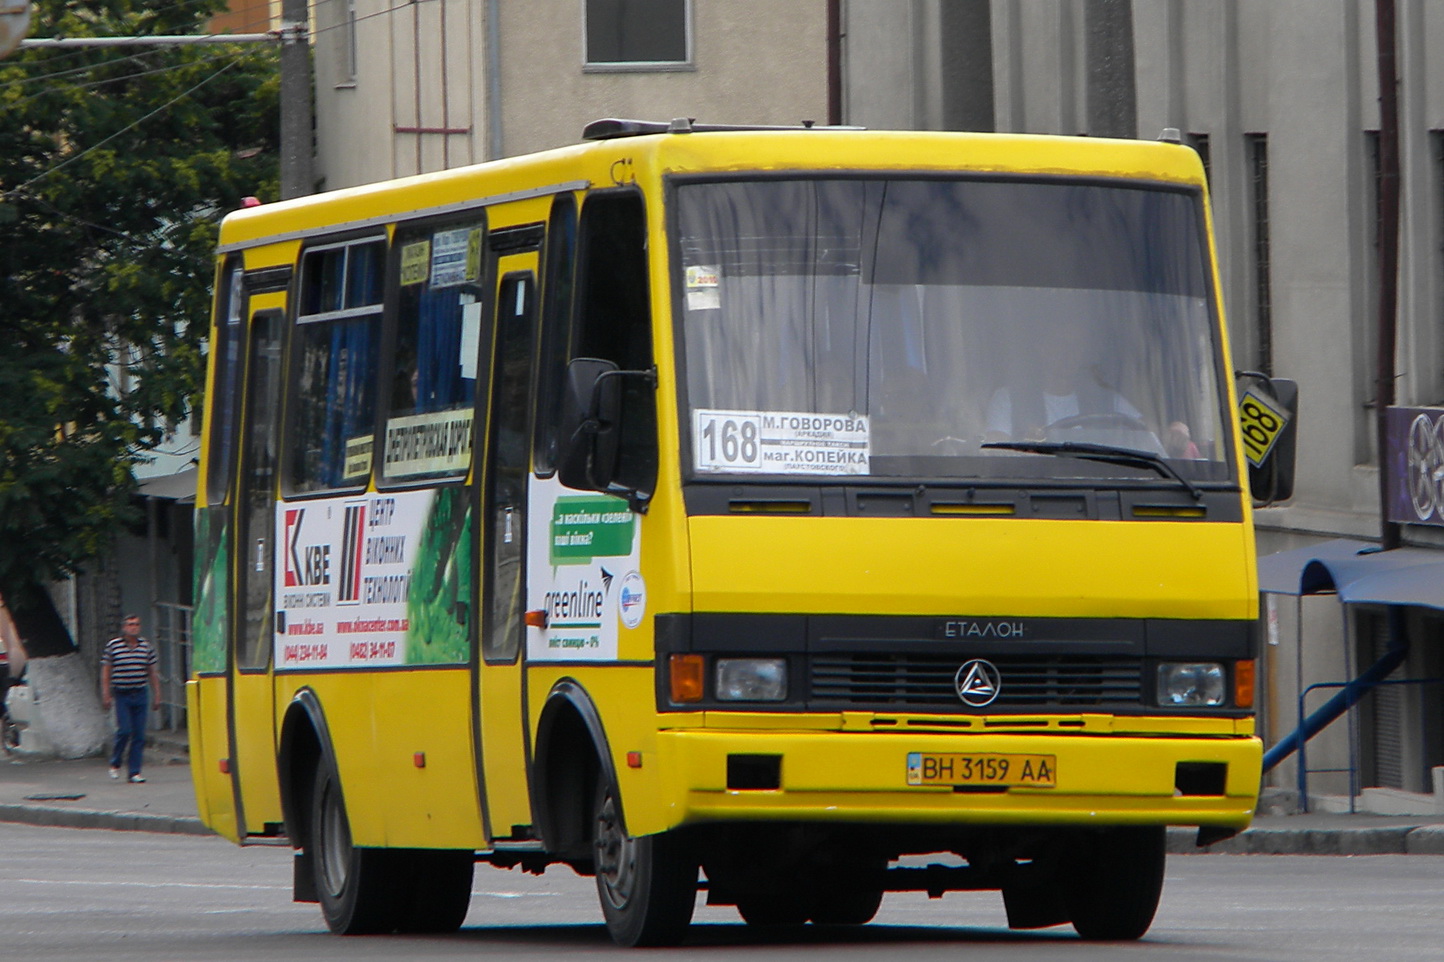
<point>1105,453</point>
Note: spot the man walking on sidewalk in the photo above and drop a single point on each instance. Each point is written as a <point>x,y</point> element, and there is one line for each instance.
<point>127,673</point>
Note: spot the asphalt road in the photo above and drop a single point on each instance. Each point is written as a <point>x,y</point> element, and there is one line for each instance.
<point>115,896</point>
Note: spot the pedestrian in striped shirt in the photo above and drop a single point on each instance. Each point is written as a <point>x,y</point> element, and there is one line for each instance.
<point>127,676</point>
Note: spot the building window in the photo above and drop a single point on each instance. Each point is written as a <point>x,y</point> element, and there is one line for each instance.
<point>348,52</point>
<point>1256,150</point>
<point>1366,336</point>
<point>1436,140</point>
<point>638,34</point>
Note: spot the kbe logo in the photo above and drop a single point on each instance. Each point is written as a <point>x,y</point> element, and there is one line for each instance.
<point>305,564</point>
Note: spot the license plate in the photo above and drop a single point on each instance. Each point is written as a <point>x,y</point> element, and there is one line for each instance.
<point>928,768</point>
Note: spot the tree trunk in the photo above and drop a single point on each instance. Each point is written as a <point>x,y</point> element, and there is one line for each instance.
<point>66,713</point>
<point>67,716</point>
<point>42,632</point>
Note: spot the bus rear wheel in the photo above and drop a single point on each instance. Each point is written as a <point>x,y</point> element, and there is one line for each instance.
<point>1115,882</point>
<point>365,891</point>
<point>350,881</point>
<point>647,885</point>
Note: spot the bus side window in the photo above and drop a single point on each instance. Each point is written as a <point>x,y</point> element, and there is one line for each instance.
<point>226,343</point>
<point>559,277</point>
<point>613,320</point>
<point>433,361</point>
<point>333,380</point>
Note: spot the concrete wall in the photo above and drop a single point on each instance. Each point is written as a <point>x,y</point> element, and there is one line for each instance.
<point>420,95</point>
<point>1303,75</point>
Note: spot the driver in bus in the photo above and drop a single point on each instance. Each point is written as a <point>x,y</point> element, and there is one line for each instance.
<point>1074,399</point>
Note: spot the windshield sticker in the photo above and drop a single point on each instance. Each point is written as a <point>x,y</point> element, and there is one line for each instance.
<point>704,289</point>
<point>456,258</point>
<point>780,442</point>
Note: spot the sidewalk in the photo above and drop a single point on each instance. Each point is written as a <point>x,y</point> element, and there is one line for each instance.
<point>79,794</point>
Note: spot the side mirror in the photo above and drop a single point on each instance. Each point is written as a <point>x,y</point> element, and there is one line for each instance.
<point>1268,418</point>
<point>590,433</point>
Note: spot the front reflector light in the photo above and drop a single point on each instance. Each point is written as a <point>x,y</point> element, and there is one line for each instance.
<point>1243,684</point>
<point>751,679</point>
<point>687,673</point>
<point>1191,684</point>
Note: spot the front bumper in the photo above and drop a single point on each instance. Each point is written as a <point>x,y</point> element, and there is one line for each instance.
<point>838,777</point>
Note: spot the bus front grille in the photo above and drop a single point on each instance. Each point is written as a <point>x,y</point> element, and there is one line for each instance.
<point>1028,683</point>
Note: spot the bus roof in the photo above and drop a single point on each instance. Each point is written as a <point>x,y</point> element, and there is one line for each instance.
<point>642,155</point>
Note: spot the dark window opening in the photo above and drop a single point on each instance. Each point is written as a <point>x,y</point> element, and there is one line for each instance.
<point>559,277</point>
<point>636,31</point>
<point>437,345</point>
<point>334,376</point>
<point>614,319</point>
<point>226,342</point>
<point>1257,148</point>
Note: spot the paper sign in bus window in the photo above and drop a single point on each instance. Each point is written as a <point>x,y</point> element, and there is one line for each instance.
<point>780,442</point>
<point>415,262</point>
<point>456,257</point>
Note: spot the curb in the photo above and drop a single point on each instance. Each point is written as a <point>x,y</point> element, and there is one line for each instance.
<point>1401,840</point>
<point>114,821</point>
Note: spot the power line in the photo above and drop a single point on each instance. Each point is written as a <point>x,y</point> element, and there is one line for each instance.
<point>126,129</point>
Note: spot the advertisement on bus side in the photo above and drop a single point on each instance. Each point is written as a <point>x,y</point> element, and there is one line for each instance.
<point>379,580</point>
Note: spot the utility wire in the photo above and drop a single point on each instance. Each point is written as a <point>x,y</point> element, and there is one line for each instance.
<point>126,129</point>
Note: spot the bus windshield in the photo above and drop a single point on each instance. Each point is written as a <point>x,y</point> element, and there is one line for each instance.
<point>915,328</point>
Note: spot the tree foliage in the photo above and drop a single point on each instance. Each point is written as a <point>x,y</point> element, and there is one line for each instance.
<point>116,166</point>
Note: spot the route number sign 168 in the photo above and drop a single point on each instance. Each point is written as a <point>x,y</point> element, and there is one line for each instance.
<point>728,441</point>
<point>1261,420</point>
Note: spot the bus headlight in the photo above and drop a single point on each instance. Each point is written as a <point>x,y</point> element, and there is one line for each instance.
<point>1191,684</point>
<point>751,679</point>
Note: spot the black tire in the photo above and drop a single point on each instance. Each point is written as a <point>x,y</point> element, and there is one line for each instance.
<point>433,889</point>
<point>351,883</point>
<point>1116,882</point>
<point>772,911</point>
<point>847,907</point>
<point>647,885</point>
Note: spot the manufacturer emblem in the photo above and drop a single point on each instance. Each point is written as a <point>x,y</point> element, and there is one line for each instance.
<point>978,683</point>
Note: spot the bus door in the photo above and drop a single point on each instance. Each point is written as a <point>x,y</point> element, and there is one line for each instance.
<point>252,698</point>
<point>506,470</point>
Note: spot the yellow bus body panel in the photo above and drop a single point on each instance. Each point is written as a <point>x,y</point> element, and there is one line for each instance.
<point>254,757</point>
<point>672,767</point>
<point>378,722</point>
<point>215,798</point>
<point>846,776</point>
<point>974,567</point>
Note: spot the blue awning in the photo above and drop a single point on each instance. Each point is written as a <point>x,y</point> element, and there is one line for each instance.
<point>1358,572</point>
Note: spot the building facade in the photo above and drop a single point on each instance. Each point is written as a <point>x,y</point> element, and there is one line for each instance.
<point>1280,99</point>
<point>445,83</point>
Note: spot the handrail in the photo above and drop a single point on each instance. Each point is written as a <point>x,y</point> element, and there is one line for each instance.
<point>1352,769</point>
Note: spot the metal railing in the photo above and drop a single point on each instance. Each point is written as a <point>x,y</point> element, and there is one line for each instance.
<point>172,639</point>
<point>1352,769</point>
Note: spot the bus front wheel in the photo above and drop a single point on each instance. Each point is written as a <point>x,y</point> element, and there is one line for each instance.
<point>1115,882</point>
<point>647,885</point>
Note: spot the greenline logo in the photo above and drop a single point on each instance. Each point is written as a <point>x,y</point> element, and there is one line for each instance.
<point>588,527</point>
